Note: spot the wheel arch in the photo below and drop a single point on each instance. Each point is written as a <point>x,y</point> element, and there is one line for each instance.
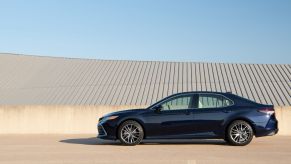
<point>236,119</point>
<point>130,119</point>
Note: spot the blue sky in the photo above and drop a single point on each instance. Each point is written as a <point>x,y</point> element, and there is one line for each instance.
<point>246,31</point>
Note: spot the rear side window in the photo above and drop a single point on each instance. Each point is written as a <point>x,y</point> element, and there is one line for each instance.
<point>213,101</point>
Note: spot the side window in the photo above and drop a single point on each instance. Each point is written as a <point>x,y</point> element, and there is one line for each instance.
<point>213,101</point>
<point>178,103</point>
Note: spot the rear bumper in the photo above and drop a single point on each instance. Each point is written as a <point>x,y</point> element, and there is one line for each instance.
<point>269,130</point>
<point>267,133</point>
<point>273,132</point>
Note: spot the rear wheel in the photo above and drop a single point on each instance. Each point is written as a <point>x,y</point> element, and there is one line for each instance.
<point>130,133</point>
<point>239,133</point>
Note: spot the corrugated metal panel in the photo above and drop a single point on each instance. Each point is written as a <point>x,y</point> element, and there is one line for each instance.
<point>160,81</point>
<point>216,85</point>
<point>273,85</point>
<point>65,81</point>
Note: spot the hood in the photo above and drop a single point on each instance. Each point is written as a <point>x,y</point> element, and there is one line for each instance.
<point>128,111</point>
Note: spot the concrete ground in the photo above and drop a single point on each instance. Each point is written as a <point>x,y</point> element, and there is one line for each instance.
<point>85,149</point>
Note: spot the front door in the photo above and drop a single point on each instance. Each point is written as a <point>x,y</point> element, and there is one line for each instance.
<point>175,118</point>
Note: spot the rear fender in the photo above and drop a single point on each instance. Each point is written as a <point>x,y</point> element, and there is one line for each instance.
<point>227,124</point>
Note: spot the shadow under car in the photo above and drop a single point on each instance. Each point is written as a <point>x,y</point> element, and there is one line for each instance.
<point>97,141</point>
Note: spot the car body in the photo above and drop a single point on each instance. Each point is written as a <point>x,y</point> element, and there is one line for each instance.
<point>194,115</point>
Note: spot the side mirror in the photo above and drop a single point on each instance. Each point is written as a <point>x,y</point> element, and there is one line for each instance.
<point>158,109</point>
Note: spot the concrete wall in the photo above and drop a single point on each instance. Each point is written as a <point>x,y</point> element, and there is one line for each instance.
<point>283,115</point>
<point>53,119</point>
<point>79,119</point>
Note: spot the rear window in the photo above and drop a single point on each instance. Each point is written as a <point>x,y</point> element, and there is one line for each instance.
<point>241,101</point>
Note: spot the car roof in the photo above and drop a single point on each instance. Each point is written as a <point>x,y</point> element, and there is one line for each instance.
<point>197,92</point>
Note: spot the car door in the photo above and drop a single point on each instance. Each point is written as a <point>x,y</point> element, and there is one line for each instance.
<point>210,113</point>
<point>174,118</point>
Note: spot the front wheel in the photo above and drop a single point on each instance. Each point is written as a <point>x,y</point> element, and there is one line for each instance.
<point>239,133</point>
<point>130,133</point>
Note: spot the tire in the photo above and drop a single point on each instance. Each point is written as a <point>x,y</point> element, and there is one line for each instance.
<point>239,133</point>
<point>130,133</point>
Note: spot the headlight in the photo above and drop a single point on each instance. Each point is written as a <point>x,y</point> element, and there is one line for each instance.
<point>111,117</point>
<point>108,118</point>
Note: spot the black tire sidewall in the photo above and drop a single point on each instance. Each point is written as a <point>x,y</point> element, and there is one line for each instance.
<point>231,141</point>
<point>139,128</point>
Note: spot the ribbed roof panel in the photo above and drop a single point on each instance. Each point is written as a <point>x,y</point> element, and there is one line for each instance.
<point>34,80</point>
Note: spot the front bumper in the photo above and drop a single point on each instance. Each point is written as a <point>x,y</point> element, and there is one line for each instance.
<point>101,131</point>
<point>107,130</point>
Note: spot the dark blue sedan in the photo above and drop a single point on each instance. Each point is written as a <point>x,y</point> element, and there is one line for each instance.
<point>189,115</point>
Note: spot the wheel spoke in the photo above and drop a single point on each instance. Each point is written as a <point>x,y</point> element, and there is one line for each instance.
<point>130,133</point>
<point>134,130</point>
<point>240,133</point>
<point>127,128</point>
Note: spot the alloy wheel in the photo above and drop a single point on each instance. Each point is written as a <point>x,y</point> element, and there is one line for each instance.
<point>240,133</point>
<point>131,133</point>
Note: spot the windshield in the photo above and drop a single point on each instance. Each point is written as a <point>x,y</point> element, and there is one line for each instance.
<point>160,101</point>
<point>166,98</point>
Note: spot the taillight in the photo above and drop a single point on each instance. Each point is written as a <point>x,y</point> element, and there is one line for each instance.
<point>268,111</point>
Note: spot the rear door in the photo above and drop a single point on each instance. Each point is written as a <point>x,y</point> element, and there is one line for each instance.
<point>210,113</point>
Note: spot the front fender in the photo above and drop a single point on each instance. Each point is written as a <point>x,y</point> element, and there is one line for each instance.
<point>140,121</point>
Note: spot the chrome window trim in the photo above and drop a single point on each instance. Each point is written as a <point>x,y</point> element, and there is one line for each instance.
<point>185,94</point>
